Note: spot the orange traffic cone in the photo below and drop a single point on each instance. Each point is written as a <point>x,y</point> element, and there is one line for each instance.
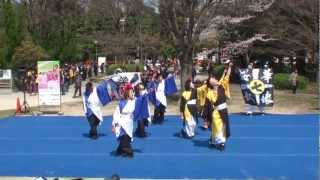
<point>18,106</point>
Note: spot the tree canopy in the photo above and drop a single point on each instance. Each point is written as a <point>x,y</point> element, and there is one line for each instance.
<point>74,30</point>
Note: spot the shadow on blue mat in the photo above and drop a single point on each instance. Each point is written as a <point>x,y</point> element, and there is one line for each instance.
<point>88,136</point>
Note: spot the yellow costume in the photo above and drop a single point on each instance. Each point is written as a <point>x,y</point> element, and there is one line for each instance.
<point>217,109</point>
<point>188,109</point>
<point>220,122</point>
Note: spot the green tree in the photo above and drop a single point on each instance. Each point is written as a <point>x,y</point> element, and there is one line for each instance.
<point>167,49</point>
<point>136,35</point>
<point>28,54</point>
<point>11,30</point>
<point>56,25</point>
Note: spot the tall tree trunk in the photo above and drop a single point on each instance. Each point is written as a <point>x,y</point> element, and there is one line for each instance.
<point>247,58</point>
<point>186,66</point>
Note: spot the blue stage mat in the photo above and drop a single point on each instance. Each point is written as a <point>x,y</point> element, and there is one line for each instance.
<point>261,147</point>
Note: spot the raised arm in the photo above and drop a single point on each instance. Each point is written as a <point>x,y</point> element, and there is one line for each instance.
<point>226,73</point>
<point>224,81</point>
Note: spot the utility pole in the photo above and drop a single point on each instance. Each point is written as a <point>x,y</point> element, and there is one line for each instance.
<point>96,43</point>
<point>122,22</point>
<point>140,43</point>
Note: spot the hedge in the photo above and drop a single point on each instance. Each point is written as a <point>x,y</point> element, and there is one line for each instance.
<point>130,67</point>
<point>282,81</point>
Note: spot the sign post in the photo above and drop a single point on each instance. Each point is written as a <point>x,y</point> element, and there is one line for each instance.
<point>6,78</point>
<point>49,86</point>
<point>101,60</point>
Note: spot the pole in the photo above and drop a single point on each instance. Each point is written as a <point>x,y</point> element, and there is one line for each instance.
<point>96,52</point>
<point>140,43</point>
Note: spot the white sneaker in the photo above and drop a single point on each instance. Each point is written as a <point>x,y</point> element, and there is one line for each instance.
<point>249,113</point>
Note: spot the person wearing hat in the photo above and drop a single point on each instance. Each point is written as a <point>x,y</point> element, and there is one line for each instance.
<point>93,99</point>
<point>128,110</point>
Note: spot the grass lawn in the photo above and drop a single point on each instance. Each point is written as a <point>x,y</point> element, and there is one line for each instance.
<point>6,113</point>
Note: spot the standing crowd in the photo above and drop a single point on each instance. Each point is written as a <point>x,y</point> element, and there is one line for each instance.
<point>70,74</point>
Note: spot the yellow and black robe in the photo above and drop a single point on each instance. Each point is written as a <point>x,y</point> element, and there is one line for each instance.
<point>216,111</point>
<point>188,108</point>
<point>202,92</point>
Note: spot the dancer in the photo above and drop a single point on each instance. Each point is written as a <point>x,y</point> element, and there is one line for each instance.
<point>217,96</point>
<point>188,110</point>
<point>202,92</point>
<point>93,99</point>
<point>126,112</point>
<point>163,88</point>
<point>144,118</point>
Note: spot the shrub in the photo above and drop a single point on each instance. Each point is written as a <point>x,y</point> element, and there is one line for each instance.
<point>112,67</point>
<point>282,81</point>
<point>129,67</point>
<point>302,82</point>
<point>133,67</point>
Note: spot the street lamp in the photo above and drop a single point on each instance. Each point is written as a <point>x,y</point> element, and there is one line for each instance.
<point>122,22</point>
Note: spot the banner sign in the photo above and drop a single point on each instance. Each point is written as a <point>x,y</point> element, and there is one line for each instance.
<point>256,86</point>
<point>49,83</point>
<point>5,74</point>
<point>101,60</point>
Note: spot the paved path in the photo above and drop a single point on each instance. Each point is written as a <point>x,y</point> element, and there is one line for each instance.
<point>8,99</point>
<point>298,103</point>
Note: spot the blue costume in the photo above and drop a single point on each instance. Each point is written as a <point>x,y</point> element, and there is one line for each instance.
<point>93,99</point>
<point>158,98</point>
<point>129,110</point>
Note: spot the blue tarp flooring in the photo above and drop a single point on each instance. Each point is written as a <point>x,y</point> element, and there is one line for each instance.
<point>260,147</point>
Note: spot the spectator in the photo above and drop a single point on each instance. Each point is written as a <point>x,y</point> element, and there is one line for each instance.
<point>62,82</point>
<point>194,72</point>
<point>102,68</point>
<point>33,83</point>
<point>293,80</point>
<point>95,68</point>
<point>77,85</point>
<point>89,71</point>
<point>71,74</point>
<point>64,79</point>
<point>83,72</point>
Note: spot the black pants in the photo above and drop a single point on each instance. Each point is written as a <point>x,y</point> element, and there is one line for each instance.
<point>294,89</point>
<point>140,131</point>
<point>62,90</point>
<point>124,148</point>
<point>76,90</point>
<point>93,122</point>
<point>158,116</point>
